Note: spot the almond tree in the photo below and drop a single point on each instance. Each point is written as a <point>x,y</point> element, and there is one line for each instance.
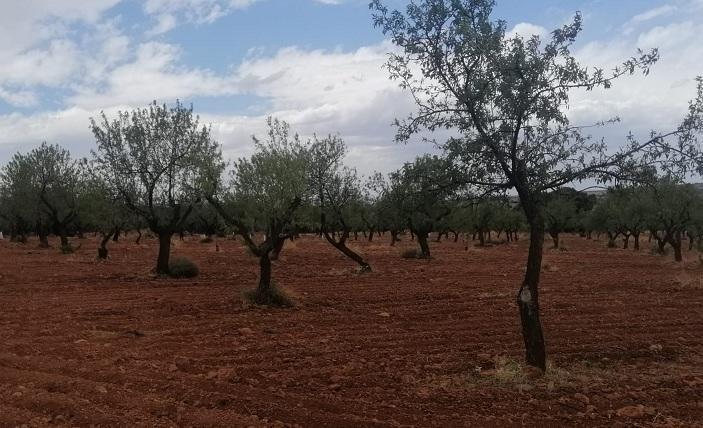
<point>157,160</point>
<point>423,191</point>
<point>506,99</point>
<point>264,194</point>
<point>337,194</point>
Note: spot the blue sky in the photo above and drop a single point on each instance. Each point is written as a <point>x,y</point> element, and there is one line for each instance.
<point>315,63</point>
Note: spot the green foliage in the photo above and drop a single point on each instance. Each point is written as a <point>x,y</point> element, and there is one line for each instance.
<point>181,267</point>
<point>158,160</point>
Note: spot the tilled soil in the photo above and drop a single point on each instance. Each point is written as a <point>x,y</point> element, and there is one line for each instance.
<point>414,343</point>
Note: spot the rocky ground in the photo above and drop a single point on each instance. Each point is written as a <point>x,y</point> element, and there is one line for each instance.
<point>414,343</point>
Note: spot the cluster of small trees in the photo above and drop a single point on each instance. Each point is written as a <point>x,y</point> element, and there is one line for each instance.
<point>504,99</point>
<point>667,212</point>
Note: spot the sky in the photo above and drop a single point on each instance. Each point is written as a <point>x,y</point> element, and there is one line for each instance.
<point>314,63</point>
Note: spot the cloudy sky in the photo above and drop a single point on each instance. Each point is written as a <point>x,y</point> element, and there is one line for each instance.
<point>314,63</point>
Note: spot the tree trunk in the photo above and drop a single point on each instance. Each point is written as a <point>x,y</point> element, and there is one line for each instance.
<point>371,234</point>
<point>481,238</point>
<point>676,243</point>
<point>528,297</point>
<point>424,247</point>
<point>278,247</point>
<point>139,236</point>
<point>626,242</point>
<point>637,241</point>
<point>43,238</point>
<point>164,253</point>
<point>555,239</point>
<point>342,247</point>
<point>456,236</point>
<point>394,237</point>
<point>116,236</point>
<point>102,250</point>
<point>611,240</point>
<point>264,289</point>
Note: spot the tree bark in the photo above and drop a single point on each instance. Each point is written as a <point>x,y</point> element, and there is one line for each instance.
<point>164,253</point>
<point>277,249</point>
<point>555,239</point>
<point>139,236</point>
<point>528,296</point>
<point>264,289</point>
<point>394,237</point>
<point>342,247</point>
<point>102,250</point>
<point>637,241</point>
<point>676,243</point>
<point>424,247</point>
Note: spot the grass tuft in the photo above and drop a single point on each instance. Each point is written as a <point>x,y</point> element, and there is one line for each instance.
<point>181,267</point>
<point>275,296</point>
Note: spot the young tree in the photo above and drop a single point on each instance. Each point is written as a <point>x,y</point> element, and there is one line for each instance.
<point>56,181</point>
<point>19,203</point>
<point>264,194</point>
<point>561,214</point>
<point>386,203</point>
<point>337,194</point>
<point>506,97</point>
<point>103,212</point>
<point>672,207</point>
<point>158,160</point>
<point>423,189</point>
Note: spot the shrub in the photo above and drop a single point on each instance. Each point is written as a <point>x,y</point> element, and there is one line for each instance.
<point>412,254</point>
<point>67,249</point>
<point>276,297</point>
<point>181,267</point>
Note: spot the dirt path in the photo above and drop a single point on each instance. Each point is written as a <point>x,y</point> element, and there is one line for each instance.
<point>415,343</point>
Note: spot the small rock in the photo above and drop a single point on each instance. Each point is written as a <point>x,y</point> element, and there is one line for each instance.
<point>101,389</point>
<point>525,387</point>
<point>656,348</point>
<point>335,387</point>
<point>487,373</point>
<point>245,331</point>
<point>222,375</point>
<point>582,398</point>
<point>182,363</point>
<point>635,412</point>
<point>384,314</point>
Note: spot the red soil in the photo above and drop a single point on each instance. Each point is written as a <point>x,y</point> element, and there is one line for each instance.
<point>106,344</point>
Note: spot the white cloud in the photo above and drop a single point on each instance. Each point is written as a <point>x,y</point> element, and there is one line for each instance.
<point>527,30</point>
<point>316,90</point>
